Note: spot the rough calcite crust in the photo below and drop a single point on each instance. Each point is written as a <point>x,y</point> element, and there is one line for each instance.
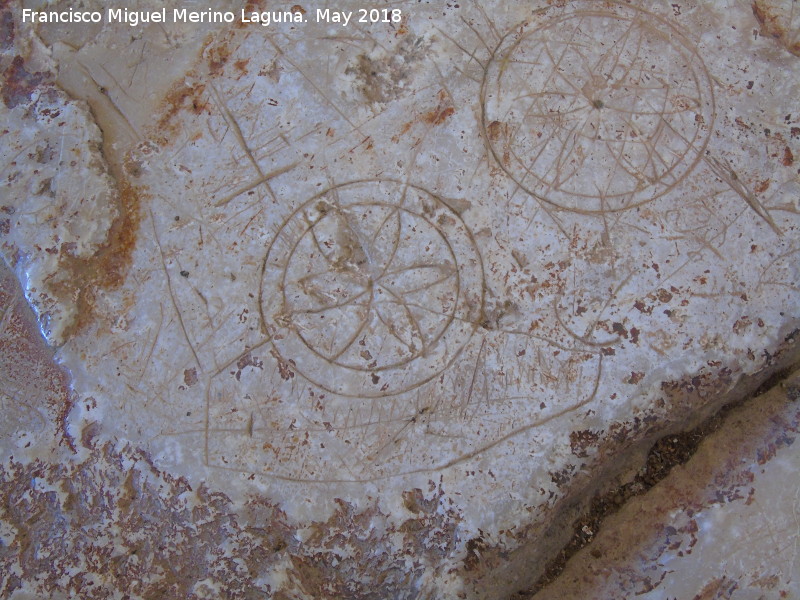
<point>402,292</point>
<point>58,197</point>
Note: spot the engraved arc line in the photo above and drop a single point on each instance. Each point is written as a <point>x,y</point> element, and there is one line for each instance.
<point>452,462</point>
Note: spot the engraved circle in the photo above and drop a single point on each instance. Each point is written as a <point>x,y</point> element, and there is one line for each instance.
<point>373,288</point>
<point>597,110</point>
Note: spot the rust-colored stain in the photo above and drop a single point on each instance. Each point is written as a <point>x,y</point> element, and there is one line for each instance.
<point>635,377</point>
<point>476,548</point>
<point>241,65</point>
<point>438,115</point>
<point>107,268</point>
<point>664,296</point>
<point>218,56</point>
<point>720,587</point>
<point>444,109</point>
<point>762,186</point>
<point>18,83</point>
<point>182,96</point>
<point>580,441</point>
<point>766,20</point>
<point>788,157</point>
<point>80,278</point>
<point>772,25</point>
<point>496,129</point>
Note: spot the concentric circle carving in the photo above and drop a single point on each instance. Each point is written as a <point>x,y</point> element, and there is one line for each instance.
<point>600,108</point>
<point>372,288</point>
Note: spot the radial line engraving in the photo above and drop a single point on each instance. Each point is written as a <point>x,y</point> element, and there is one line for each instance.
<point>615,109</point>
<point>376,282</point>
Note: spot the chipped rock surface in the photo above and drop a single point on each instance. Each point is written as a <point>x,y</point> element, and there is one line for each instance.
<point>57,193</point>
<point>725,525</point>
<point>369,311</point>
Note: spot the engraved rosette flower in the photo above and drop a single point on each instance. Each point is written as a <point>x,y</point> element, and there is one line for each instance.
<point>379,280</point>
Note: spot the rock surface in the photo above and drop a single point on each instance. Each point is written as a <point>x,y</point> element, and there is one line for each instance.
<point>371,311</point>
<point>723,526</point>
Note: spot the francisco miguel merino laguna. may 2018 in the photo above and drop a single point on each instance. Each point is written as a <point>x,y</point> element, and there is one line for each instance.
<point>183,15</point>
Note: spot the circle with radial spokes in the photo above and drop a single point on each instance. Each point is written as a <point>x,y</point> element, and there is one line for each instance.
<point>373,288</point>
<point>598,109</point>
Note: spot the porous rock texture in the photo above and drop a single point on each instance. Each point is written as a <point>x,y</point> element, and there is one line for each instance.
<point>372,311</point>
